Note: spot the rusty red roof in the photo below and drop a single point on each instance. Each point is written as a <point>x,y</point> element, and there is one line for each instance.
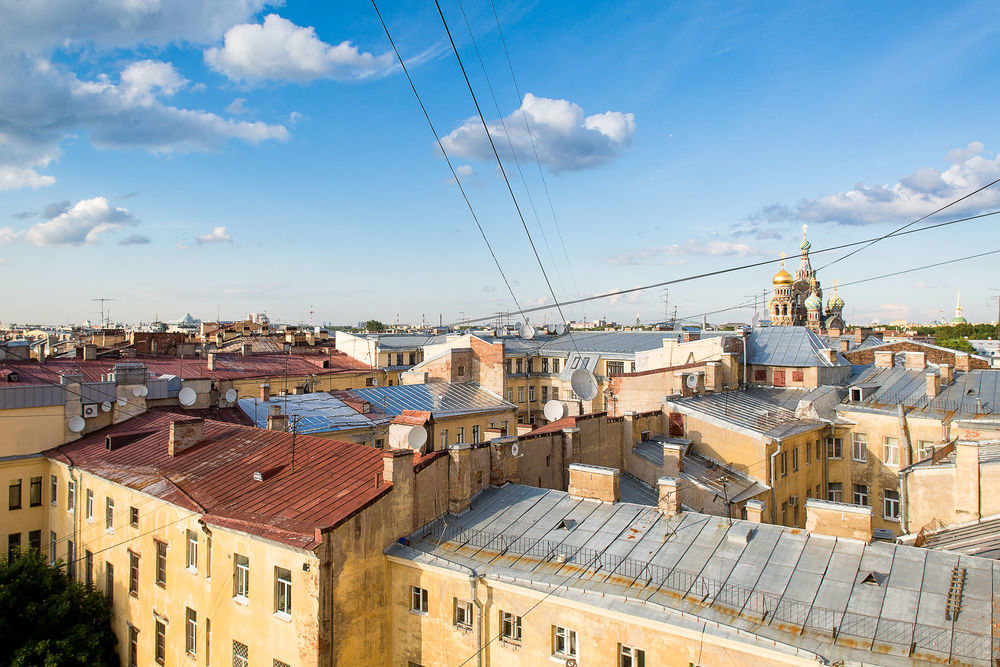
<point>227,367</point>
<point>330,482</point>
<point>553,427</point>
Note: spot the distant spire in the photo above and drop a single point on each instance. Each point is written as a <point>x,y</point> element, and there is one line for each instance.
<point>958,308</point>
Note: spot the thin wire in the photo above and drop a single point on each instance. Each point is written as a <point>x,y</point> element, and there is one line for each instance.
<point>741,267</point>
<point>503,171</point>
<point>909,224</point>
<point>451,167</point>
<point>534,149</point>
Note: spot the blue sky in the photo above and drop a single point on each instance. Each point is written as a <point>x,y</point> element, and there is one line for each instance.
<point>241,156</point>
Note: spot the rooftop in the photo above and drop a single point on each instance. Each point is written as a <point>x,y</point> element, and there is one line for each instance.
<point>970,394</point>
<point>757,410</point>
<point>814,596</point>
<point>789,346</point>
<point>214,478</point>
<point>442,399</point>
<point>317,413</point>
<point>981,538</point>
<point>703,471</point>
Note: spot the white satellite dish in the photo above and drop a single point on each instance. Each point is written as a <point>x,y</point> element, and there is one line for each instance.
<point>187,396</point>
<point>76,424</point>
<point>416,437</point>
<point>560,329</point>
<point>122,402</point>
<point>374,382</point>
<point>554,410</point>
<point>584,384</point>
<point>515,449</point>
<point>140,391</point>
<point>526,330</point>
<point>106,406</point>
<point>231,395</point>
<point>691,381</point>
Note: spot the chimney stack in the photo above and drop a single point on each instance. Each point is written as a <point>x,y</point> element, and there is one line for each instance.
<point>845,345</point>
<point>755,511</point>
<point>669,503</point>
<point>933,384</point>
<point>827,517</point>
<point>89,352</point>
<point>594,482</point>
<point>829,355</point>
<point>265,393</point>
<point>963,362</point>
<point>883,358</point>
<point>916,361</point>
<point>673,459</point>
<point>947,374</point>
<point>246,349</point>
<point>184,434</point>
<point>277,422</point>
<point>211,361</point>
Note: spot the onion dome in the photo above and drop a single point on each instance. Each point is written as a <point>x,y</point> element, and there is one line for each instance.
<point>782,277</point>
<point>835,303</point>
<point>813,302</point>
<point>805,244</point>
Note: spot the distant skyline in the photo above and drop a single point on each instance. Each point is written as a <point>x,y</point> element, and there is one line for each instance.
<point>250,156</point>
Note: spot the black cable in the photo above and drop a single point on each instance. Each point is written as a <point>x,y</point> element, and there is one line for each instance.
<point>741,267</point>
<point>909,224</point>
<point>503,171</point>
<point>451,167</point>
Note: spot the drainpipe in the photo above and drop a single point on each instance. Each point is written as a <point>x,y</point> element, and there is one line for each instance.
<point>746,379</point>
<point>474,578</point>
<point>773,477</point>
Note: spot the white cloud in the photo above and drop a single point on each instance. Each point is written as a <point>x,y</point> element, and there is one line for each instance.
<point>135,239</point>
<point>82,223</point>
<point>911,197</point>
<point>9,235</point>
<point>141,81</point>
<point>564,137</point>
<point>237,106</point>
<point>279,50</point>
<point>218,235</point>
<point>659,254</point>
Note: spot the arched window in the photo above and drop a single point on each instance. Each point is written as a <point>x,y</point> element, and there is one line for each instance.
<point>784,310</point>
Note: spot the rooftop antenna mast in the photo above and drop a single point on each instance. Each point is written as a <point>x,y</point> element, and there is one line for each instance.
<point>310,316</point>
<point>102,300</point>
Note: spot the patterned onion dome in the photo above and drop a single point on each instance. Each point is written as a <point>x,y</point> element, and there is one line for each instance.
<point>813,302</point>
<point>805,244</point>
<point>835,303</point>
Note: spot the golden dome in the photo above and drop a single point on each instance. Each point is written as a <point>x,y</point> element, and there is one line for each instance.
<point>782,277</point>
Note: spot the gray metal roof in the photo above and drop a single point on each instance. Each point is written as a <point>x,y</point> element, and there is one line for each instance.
<point>981,538</point>
<point>317,413</point>
<point>789,346</point>
<point>973,393</point>
<point>438,398</point>
<point>824,598</point>
<point>764,411</point>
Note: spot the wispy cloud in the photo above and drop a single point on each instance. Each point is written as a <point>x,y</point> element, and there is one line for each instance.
<point>218,235</point>
<point>676,252</point>
<point>135,239</point>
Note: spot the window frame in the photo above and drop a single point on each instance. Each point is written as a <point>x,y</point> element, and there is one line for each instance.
<point>418,600</point>
<point>564,644</point>
<point>14,497</point>
<point>861,493</point>
<point>890,451</point>
<point>70,496</point>
<point>282,592</point>
<point>109,514</point>
<point>190,631</point>
<point>835,489</point>
<point>161,563</point>
<point>133,573</point>
<point>53,490</point>
<point>89,505</point>
<point>630,656</point>
<point>35,484</point>
<point>160,642</point>
<point>241,578</point>
<point>510,627</point>
<point>463,617</point>
<point>241,660</point>
<point>859,447</point>
<point>888,503</point>
<point>835,448</point>
<point>191,551</point>
<point>109,581</point>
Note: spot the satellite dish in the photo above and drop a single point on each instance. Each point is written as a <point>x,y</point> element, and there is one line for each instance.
<point>140,391</point>
<point>374,382</point>
<point>416,437</point>
<point>187,396</point>
<point>515,449</point>
<point>231,395</point>
<point>122,402</point>
<point>106,406</point>
<point>584,384</point>
<point>560,329</point>
<point>76,424</point>
<point>554,410</point>
<point>677,327</point>
<point>526,330</point>
<point>691,381</point>
<point>755,322</point>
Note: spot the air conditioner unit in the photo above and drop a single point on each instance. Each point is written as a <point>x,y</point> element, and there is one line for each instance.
<point>90,410</point>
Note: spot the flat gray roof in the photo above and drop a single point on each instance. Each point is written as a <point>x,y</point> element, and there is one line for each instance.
<point>438,398</point>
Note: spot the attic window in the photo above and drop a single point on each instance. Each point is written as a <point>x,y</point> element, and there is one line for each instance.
<point>855,394</point>
<point>970,392</point>
<point>566,524</point>
<point>873,578</point>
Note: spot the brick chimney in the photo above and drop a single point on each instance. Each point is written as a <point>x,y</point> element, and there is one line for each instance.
<point>277,422</point>
<point>827,517</point>
<point>184,434</point>
<point>947,374</point>
<point>755,511</point>
<point>916,361</point>
<point>673,459</point>
<point>265,393</point>
<point>883,358</point>
<point>246,349</point>
<point>933,384</point>
<point>211,361</point>
<point>669,503</point>
<point>845,345</point>
<point>963,362</point>
<point>713,375</point>
<point>89,352</point>
<point>594,482</point>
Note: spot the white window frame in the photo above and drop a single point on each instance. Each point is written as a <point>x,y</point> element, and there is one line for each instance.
<point>520,394</point>
<point>463,614</point>
<point>241,577</point>
<point>926,449</point>
<point>282,592</point>
<point>630,656</point>
<point>109,514</point>
<point>860,496</point>
<point>890,451</point>
<point>531,394</point>
<point>890,506</point>
<point>835,448</point>
<point>838,492</point>
<point>191,551</point>
<point>859,447</point>
<point>90,505</point>
<point>510,627</point>
<point>460,438</point>
<point>418,600</point>
<point>190,631</point>
<point>563,642</point>
<point>70,496</point>
<point>53,490</point>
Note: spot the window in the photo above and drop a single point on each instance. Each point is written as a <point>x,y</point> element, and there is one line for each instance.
<point>192,551</point>
<point>133,574</point>
<point>615,367</point>
<point>88,568</point>
<point>545,365</point>
<point>418,600</point>
<point>53,490</point>
<point>555,365</point>
<point>563,642</point>
<point>890,451</point>
<point>52,546</point>
<point>519,365</point>
<point>859,447</point>
<point>835,491</point>
<point>241,577</point>
<point>926,448</point>
<point>819,451</point>
<point>463,613</point>
<point>190,631</point>
<point>783,463</point>
<point>861,494</point>
<point>531,365</point>
<point>241,655</point>
<point>890,505</point>
<point>461,435</point>
<point>282,591</point>
<point>506,431</point>
<point>808,453</point>
<point>531,394</point>
<point>545,394</point>
<point>795,459</point>
<point>510,627</point>
<point>510,395</point>
<point>161,642</point>
<point>161,563</point>
<point>520,394</point>
<point>444,438</point>
<point>71,496</point>
<point>506,366</point>
<point>629,656</point>
<point>278,663</point>
<point>70,559</point>
<point>109,582</point>
<point>14,495</point>
<point>412,358</point>
<point>208,557</point>
<point>399,358</point>
<point>133,646</point>
<point>555,393</point>
<point>834,448</point>
<point>35,494</point>
<point>133,516</point>
<point>475,433</point>
<point>13,545</point>
<point>109,514</point>
<point>35,540</point>
<point>208,642</point>
<point>90,505</point>
<point>784,514</point>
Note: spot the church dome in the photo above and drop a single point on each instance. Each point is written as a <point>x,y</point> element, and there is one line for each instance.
<point>782,277</point>
<point>835,303</point>
<point>813,302</point>
<point>805,244</point>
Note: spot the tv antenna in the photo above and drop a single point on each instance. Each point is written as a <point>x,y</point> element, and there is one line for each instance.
<point>102,300</point>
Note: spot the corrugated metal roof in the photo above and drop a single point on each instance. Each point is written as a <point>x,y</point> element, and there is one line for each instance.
<point>765,411</point>
<point>788,346</point>
<point>317,413</point>
<point>977,539</point>
<point>438,398</point>
<point>973,393</point>
<point>330,481</point>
